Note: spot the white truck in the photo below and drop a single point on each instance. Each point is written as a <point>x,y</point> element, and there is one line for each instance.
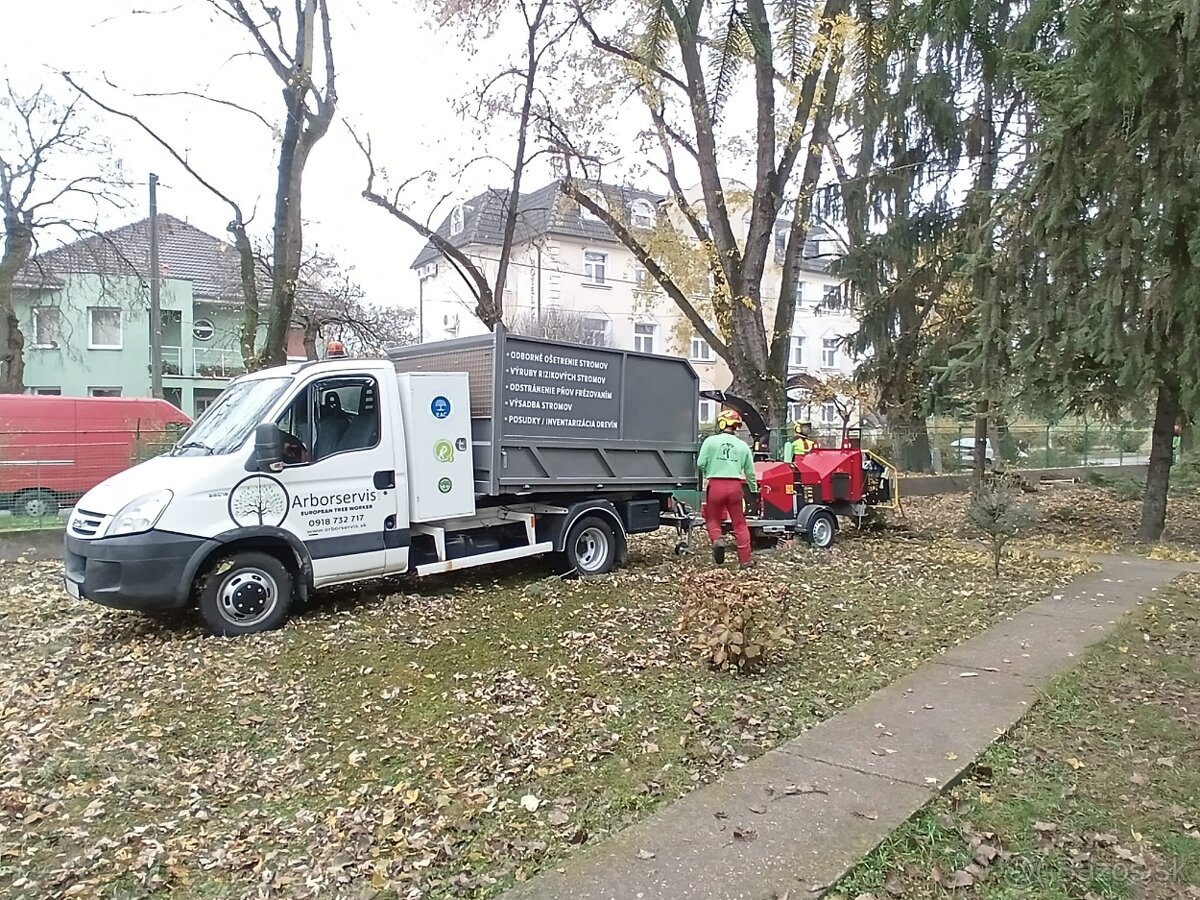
<point>444,456</point>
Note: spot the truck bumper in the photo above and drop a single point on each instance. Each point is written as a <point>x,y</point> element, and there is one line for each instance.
<point>149,572</point>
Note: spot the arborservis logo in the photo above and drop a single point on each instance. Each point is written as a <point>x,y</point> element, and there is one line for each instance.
<point>258,500</point>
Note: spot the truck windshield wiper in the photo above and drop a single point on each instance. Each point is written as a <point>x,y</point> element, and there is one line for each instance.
<point>196,445</point>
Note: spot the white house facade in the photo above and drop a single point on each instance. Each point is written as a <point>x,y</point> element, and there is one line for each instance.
<point>565,261</point>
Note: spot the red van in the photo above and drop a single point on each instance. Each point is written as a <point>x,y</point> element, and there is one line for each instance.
<point>55,449</point>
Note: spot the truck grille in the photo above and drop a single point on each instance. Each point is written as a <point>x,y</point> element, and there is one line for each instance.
<point>86,524</point>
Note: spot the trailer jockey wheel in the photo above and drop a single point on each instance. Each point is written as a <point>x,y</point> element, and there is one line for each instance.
<point>821,530</point>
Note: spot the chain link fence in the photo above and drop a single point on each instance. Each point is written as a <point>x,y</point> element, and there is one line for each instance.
<point>43,473</point>
<point>1034,446</point>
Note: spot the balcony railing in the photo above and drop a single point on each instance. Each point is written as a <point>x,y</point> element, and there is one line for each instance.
<point>205,362</point>
<point>172,361</point>
<point>218,362</point>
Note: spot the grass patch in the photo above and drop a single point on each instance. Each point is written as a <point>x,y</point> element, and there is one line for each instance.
<point>439,738</point>
<point>31,523</point>
<point>1092,796</point>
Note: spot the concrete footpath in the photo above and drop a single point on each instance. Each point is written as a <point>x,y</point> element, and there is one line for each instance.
<point>796,819</point>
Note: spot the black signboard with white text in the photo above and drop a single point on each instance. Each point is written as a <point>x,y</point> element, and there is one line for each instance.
<point>562,391</point>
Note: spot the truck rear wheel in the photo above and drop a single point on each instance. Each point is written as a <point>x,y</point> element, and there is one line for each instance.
<point>245,593</point>
<point>591,547</point>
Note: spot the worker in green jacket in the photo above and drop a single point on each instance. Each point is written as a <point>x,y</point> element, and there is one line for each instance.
<point>726,463</point>
<point>803,443</point>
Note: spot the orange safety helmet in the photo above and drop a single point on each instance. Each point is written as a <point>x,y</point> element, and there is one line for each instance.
<point>729,418</point>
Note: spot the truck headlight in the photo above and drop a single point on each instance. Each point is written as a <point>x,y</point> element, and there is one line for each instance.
<point>140,515</point>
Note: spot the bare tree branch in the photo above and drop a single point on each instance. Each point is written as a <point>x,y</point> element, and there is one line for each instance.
<point>475,280</point>
<point>205,97</point>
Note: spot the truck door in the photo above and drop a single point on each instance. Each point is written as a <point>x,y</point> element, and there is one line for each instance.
<point>340,475</point>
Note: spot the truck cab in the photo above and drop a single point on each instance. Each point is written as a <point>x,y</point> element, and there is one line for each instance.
<point>310,475</point>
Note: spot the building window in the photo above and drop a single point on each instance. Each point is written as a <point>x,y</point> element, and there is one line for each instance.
<point>640,277</point>
<point>707,412</point>
<point>47,327</point>
<point>595,268</point>
<point>781,240</point>
<point>643,337</point>
<point>829,353</point>
<point>46,391</point>
<point>797,356</point>
<point>641,214</point>
<point>457,221</point>
<point>832,297</point>
<point>797,412</point>
<point>174,396</point>
<point>104,392</point>
<point>701,351</point>
<point>203,398</point>
<point>104,328</point>
<point>829,414</point>
<point>595,331</point>
<point>203,330</point>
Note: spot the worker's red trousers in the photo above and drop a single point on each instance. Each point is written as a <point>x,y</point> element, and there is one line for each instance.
<point>726,500</point>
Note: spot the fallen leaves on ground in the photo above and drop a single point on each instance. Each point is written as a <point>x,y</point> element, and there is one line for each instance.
<point>423,739</point>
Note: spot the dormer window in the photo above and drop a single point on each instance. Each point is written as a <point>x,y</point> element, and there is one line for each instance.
<point>457,221</point>
<point>641,214</point>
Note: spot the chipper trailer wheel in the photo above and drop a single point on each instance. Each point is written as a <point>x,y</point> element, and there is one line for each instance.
<point>822,528</point>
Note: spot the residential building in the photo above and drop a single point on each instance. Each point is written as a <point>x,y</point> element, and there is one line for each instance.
<point>85,311</point>
<point>564,260</point>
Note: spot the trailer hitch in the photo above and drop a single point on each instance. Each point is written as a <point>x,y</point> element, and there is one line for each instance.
<point>684,520</point>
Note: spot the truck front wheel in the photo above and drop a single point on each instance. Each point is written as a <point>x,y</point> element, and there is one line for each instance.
<point>591,547</point>
<point>245,593</point>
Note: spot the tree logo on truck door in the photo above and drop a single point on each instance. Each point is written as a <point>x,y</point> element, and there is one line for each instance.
<point>258,500</point>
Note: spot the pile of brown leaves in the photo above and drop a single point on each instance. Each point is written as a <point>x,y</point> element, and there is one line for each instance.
<point>734,623</point>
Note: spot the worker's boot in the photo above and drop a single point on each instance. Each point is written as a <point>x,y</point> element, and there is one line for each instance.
<point>719,552</point>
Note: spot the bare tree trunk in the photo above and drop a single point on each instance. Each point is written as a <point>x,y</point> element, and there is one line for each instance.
<point>1158,479</point>
<point>312,329</point>
<point>18,245</point>
<point>288,234</point>
<point>910,434</point>
<point>981,436</point>
<point>248,335</point>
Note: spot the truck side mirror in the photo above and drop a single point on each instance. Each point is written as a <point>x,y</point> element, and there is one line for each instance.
<point>268,447</point>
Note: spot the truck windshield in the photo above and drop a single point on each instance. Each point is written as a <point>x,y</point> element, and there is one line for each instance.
<point>231,419</point>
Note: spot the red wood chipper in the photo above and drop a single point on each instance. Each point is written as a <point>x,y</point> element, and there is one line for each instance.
<point>807,497</point>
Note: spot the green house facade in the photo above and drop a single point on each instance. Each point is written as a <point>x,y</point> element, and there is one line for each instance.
<point>85,312</point>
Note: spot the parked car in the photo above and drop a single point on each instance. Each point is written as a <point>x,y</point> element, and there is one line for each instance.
<point>55,449</point>
<point>964,452</point>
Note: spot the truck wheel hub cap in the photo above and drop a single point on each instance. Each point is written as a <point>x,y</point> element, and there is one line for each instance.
<point>248,596</point>
<point>591,551</point>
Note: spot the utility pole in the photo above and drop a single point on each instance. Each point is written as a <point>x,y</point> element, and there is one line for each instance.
<point>155,304</point>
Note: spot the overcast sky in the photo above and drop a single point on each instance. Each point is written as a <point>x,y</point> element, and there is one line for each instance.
<point>397,78</point>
